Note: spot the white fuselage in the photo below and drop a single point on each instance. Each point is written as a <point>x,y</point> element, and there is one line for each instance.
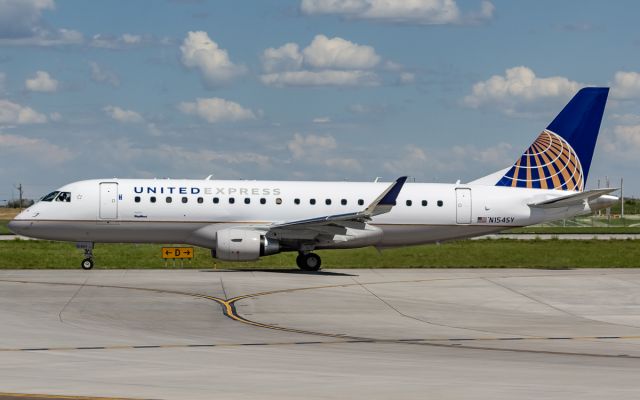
<point>122,210</point>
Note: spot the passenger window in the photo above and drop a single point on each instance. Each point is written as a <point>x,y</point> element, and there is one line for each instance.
<point>424,203</point>
<point>278,200</point>
<point>232,200</point>
<point>247,200</point>
<point>296,201</point>
<point>50,196</point>
<point>263,200</point>
<point>169,199</point>
<point>343,202</point>
<point>200,200</point>
<point>440,203</point>
<point>184,200</point>
<point>152,199</point>
<point>216,200</point>
<point>312,201</point>
<point>327,202</point>
<point>137,199</point>
<point>360,202</point>
<point>409,202</point>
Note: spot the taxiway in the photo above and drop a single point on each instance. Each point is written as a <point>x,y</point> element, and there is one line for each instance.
<point>374,334</point>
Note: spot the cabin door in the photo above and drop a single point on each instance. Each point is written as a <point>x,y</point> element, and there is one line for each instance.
<point>108,200</point>
<point>463,206</point>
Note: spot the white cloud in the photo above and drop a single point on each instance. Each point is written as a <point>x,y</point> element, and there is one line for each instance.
<point>55,116</point>
<point>199,51</point>
<point>338,53</point>
<point>215,110</point>
<point>3,79</point>
<point>12,113</point>
<point>325,62</point>
<point>424,12</point>
<point>626,85</point>
<point>131,39</point>
<point>186,160</point>
<point>320,150</point>
<point>518,86</point>
<point>628,135</point>
<point>321,120</point>
<point>301,146</point>
<point>125,41</point>
<point>122,115</point>
<point>19,18</point>
<point>498,155</point>
<point>284,58</point>
<point>102,75</point>
<point>42,82</point>
<point>321,78</point>
<point>415,160</point>
<point>406,78</point>
<point>627,119</point>
<point>21,25</point>
<point>34,149</point>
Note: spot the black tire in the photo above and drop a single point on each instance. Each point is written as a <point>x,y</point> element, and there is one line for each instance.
<point>87,264</point>
<point>309,262</point>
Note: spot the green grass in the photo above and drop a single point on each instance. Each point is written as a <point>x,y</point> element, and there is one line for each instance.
<point>587,230</point>
<point>3,227</point>
<point>484,253</point>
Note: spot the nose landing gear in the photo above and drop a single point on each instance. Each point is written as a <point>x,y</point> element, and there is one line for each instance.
<point>87,263</point>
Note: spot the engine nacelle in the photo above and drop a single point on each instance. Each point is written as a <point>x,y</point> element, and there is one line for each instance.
<point>243,245</point>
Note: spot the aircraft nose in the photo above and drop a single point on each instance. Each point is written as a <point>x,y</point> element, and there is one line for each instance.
<point>17,227</point>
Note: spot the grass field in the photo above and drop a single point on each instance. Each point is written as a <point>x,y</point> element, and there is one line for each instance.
<point>586,230</point>
<point>3,228</point>
<point>500,253</point>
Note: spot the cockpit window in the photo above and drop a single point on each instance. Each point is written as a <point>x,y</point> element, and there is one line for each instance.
<point>64,197</point>
<point>50,196</point>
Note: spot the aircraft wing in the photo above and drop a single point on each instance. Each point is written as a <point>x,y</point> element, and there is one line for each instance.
<point>336,224</point>
<point>573,199</point>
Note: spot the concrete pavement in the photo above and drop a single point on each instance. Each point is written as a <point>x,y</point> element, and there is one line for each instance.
<point>374,334</point>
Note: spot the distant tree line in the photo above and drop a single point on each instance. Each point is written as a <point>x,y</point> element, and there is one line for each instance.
<point>16,203</point>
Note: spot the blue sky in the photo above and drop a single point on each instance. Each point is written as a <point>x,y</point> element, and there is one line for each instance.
<point>305,89</point>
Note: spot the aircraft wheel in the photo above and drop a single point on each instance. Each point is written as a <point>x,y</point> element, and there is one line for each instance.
<point>87,264</point>
<point>309,262</point>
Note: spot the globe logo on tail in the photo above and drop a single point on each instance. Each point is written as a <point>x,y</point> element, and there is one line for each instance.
<point>549,163</point>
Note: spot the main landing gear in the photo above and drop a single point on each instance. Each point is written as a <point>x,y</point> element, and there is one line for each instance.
<point>308,261</point>
<point>87,263</point>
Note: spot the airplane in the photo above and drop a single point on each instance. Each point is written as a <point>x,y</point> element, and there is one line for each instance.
<point>243,220</point>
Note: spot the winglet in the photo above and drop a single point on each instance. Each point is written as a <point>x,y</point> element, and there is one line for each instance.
<point>387,199</point>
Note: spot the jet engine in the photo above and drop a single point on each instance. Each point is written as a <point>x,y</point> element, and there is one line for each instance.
<point>243,245</point>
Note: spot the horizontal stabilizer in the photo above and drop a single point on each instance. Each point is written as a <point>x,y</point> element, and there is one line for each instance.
<point>573,199</point>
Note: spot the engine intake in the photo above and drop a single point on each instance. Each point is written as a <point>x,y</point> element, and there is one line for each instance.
<point>243,245</point>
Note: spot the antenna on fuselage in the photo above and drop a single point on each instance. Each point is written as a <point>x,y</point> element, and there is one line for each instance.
<point>377,179</point>
<point>208,178</point>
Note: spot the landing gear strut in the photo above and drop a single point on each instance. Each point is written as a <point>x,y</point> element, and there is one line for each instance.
<point>308,261</point>
<point>87,263</point>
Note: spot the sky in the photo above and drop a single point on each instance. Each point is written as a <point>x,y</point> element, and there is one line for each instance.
<point>439,90</point>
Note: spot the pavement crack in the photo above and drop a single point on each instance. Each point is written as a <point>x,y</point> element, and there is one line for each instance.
<point>424,321</point>
<point>80,287</point>
<point>560,310</point>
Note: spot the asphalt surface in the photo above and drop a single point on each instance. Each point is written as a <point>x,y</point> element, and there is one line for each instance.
<point>357,334</point>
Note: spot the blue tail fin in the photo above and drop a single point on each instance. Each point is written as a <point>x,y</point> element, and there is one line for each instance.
<point>561,156</point>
